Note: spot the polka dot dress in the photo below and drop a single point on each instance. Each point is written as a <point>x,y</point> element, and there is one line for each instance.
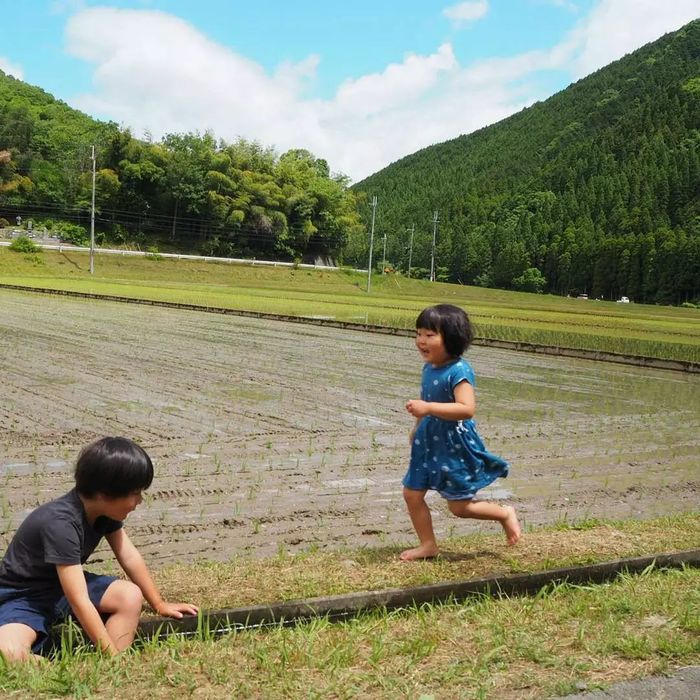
<point>449,456</point>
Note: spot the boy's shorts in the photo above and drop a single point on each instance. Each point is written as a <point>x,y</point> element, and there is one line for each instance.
<point>41,610</point>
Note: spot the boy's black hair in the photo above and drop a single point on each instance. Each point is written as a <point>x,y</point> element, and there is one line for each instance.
<point>114,467</point>
<point>452,323</point>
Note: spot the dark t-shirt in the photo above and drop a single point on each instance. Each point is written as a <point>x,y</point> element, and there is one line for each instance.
<point>57,532</point>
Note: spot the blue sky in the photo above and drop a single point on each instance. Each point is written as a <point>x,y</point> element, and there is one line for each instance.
<point>360,84</point>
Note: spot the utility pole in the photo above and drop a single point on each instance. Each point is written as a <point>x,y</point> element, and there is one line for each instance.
<point>432,255</point>
<point>410,248</point>
<point>92,217</point>
<point>371,245</point>
<point>384,253</point>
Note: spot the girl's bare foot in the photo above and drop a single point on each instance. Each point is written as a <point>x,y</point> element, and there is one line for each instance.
<point>425,551</point>
<point>511,526</point>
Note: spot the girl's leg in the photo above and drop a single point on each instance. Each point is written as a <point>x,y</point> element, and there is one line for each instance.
<point>423,525</point>
<point>16,641</point>
<point>483,510</point>
<point>122,601</point>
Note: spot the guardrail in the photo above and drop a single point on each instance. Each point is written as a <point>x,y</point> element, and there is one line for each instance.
<point>61,247</point>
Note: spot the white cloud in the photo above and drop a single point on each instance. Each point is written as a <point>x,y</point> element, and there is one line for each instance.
<point>617,27</point>
<point>156,72</point>
<point>399,83</point>
<point>566,4</point>
<point>11,68</point>
<point>465,12</point>
<point>295,77</point>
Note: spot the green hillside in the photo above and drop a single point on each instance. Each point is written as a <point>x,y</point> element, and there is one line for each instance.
<point>595,190</point>
<point>188,192</point>
<point>44,144</point>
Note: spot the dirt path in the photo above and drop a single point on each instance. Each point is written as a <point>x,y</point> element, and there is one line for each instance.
<point>270,435</point>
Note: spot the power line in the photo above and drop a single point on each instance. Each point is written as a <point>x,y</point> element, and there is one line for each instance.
<point>191,227</point>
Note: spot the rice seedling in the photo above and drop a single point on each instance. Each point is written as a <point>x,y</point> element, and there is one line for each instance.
<point>637,330</point>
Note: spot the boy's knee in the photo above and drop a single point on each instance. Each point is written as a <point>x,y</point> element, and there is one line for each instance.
<point>133,598</point>
<point>122,596</point>
<point>16,642</point>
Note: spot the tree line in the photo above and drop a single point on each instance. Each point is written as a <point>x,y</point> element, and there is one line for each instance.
<point>187,191</point>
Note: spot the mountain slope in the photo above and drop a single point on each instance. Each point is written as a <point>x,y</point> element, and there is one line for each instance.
<point>597,189</point>
<point>46,143</point>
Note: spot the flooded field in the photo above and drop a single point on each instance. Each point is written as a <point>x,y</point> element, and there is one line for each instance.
<point>270,436</point>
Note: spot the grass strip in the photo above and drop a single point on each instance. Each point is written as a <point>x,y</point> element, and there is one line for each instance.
<point>248,581</point>
<point>565,638</point>
<point>345,607</point>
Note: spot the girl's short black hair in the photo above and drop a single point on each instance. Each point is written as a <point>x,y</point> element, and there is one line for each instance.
<point>114,467</point>
<point>452,323</point>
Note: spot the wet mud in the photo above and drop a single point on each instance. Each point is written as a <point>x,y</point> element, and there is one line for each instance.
<point>271,436</point>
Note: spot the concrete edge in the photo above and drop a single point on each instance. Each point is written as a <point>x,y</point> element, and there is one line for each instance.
<point>346,606</point>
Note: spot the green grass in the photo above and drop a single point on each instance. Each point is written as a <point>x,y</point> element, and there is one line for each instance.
<point>650,331</point>
<point>535,646</point>
<point>246,580</point>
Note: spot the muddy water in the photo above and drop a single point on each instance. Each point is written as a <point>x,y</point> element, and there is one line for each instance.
<point>269,435</point>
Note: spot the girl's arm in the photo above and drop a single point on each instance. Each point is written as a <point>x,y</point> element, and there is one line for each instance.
<point>463,408</point>
<point>72,578</point>
<point>134,566</point>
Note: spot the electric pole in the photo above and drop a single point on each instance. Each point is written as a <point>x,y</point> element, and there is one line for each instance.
<point>371,245</point>
<point>384,253</point>
<point>410,248</point>
<point>92,217</point>
<point>432,255</point>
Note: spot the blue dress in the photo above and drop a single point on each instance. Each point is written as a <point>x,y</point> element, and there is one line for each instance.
<point>449,456</point>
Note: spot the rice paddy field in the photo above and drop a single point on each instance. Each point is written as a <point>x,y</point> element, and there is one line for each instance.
<point>631,329</point>
<point>271,436</point>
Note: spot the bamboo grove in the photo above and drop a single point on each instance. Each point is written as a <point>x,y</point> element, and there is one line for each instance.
<point>187,192</point>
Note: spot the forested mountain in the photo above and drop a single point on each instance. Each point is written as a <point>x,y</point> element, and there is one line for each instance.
<point>595,190</point>
<point>188,192</point>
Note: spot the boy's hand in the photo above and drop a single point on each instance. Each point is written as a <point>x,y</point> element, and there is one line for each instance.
<point>418,408</point>
<point>176,610</point>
